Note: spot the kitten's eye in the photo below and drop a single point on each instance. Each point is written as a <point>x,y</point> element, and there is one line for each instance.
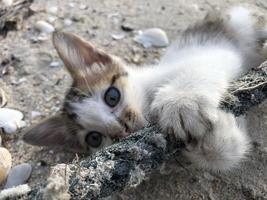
<point>94,139</point>
<point>112,96</point>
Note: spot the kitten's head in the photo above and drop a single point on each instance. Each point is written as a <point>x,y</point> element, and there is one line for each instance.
<point>102,103</point>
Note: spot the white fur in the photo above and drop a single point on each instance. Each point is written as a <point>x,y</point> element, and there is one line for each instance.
<point>185,89</point>
<point>242,25</point>
<point>223,148</point>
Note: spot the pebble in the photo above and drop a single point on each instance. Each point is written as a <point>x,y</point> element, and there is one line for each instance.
<point>11,120</point>
<point>54,64</point>
<point>19,81</point>
<point>5,164</point>
<point>127,28</point>
<point>71,5</point>
<point>44,27</point>
<point>83,7</point>
<point>51,19</point>
<point>153,37</point>
<point>18,175</point>
<point>67,22</point>
<point>52,10</point>
<point>40,38</point>
<point>35,114</point>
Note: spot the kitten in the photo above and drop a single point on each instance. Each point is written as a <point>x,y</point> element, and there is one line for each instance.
<point>109,99</point>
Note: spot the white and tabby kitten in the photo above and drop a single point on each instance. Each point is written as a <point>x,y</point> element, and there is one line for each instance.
<point>109,99</point>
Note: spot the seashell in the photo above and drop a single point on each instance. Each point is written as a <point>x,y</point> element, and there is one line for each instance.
<point>44,27</point>
<point>3,99</point>
<point>7,3</point>
<point>18,175</point>
<point>153,37</point>
<point>118,36</point>
<point>10,120</point>
<point>5,164</point>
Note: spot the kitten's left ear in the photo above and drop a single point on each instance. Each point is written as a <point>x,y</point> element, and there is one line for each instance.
<point>79,55</point>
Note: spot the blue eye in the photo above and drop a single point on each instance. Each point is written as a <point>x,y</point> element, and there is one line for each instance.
<point>112,96</point>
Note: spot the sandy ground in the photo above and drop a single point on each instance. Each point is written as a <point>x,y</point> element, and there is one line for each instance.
<point>35,86</point>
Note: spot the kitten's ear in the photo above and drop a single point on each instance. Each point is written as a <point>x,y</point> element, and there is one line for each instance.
<point>79,55</point>
<point>54,131</point>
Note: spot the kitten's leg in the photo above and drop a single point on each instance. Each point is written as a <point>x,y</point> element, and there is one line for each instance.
<point>188,106</point>
<point>213,139</point>
<point>222,148</point>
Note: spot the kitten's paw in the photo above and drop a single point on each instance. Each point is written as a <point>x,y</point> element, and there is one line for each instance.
<point>186,117</point>
<point>221,149</point>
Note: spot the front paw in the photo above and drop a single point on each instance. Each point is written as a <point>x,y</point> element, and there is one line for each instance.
<point>186,117</point>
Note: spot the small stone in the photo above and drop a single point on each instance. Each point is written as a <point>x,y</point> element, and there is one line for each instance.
<point>5,164</point>
<point>44,27</point>
<point>126,28</point>
<point>19,82</point>
<point>35,114</point>
<point>153,37</point>
<point>83,7</point>
<point>52,10</point>
<point>67,22</point>
<point>195,7</point>
<point>71,5</point>
<point>42,37</point>
<point>77,18</point>
<point>54,64</point>
<point>18,175</point>
<point>51,19</point>
<point>7,70</point>
<point>10,120</point>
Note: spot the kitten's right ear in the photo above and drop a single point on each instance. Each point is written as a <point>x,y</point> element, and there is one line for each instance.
<point>79,55</point>
<point>54,131</point>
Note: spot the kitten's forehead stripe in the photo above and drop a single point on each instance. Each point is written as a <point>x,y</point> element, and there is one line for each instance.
<point>117,76</point>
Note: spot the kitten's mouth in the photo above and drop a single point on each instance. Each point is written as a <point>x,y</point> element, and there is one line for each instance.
<point>132,126</point>
<point>126,127</point>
